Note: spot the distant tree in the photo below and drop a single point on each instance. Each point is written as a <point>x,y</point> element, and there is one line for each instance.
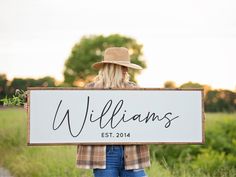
<point>220,101</point>
<point>46,82</point>
<point>22,84</point>
<point>17,83</point>
<point>191,85</point>
<point>3,85</point>
<point>169,84</point>
<point>211,101</point>
<point>90,50</point>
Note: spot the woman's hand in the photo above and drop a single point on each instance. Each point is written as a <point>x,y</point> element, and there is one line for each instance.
<point>26,107</point>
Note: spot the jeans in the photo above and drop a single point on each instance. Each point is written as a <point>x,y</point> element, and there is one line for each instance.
<point>115,164</point>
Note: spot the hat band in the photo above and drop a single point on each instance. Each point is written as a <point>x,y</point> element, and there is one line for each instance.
<point>119,61</point>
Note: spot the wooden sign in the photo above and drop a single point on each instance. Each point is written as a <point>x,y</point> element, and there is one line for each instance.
<point>115,116</point>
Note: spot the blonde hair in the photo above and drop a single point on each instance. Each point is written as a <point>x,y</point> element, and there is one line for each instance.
<point>110,76</point>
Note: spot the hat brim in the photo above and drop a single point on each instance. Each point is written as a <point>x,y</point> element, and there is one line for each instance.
<point>98,65</point>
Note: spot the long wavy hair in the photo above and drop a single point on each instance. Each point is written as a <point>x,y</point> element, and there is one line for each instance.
<point>111,76</point>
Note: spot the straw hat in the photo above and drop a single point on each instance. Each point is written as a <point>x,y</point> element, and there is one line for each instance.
<point>116,55</point>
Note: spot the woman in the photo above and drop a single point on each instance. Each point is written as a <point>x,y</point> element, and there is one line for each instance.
<point>114,160</point>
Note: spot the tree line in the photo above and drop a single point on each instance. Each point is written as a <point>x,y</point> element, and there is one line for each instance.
<point>215,100</point>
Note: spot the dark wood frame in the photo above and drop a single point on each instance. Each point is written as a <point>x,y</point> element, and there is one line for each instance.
<point>106,143</point>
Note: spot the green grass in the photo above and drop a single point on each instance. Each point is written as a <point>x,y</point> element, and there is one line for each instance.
<point>33,161</point>
<point>216,158</point>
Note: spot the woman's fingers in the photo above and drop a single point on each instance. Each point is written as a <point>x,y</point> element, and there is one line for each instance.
<point>26,106</point>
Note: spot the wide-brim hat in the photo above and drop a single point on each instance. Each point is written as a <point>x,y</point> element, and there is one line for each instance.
<point>116,55</point>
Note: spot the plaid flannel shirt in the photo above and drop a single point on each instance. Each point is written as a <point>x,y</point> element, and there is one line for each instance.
<point>94,156</point>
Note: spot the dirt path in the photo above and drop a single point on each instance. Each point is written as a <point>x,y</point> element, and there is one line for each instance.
<point>4,172</point>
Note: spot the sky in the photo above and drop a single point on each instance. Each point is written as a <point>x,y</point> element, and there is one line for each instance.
<point>184,40</point>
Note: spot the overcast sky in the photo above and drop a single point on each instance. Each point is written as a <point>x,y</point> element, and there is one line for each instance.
<point>183,40</point>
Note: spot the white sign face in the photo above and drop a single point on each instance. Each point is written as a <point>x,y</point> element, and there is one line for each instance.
<point>101,116</point>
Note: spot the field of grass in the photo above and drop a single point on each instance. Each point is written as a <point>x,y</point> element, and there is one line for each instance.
<point>216,158</point>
